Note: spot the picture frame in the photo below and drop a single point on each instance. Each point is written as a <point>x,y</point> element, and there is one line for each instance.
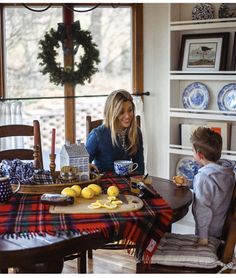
<point>233,58</point>
<point>204,52</point>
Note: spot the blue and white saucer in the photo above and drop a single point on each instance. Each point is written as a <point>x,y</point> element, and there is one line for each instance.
<point>187,167</point>
<point>227,98</point>
<point>196,96</point>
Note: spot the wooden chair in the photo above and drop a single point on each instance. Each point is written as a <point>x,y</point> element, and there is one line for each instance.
<point>23,154</point>
<point>225,250</point>
<point>93,124</point>
<point>90,125</point>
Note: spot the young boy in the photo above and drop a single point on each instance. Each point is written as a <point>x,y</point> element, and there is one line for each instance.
<point>213,184</point>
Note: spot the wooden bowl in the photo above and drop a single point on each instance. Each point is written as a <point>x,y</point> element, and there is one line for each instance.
<point>54,187</point>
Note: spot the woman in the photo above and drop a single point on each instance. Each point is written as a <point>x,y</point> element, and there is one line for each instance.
<point>118,137</point>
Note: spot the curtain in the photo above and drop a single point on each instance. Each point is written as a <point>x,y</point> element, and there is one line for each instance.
<point>11,113</point>
<point>139,111</point>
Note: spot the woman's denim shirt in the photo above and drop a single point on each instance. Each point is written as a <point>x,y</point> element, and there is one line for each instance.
<point>103,153</point>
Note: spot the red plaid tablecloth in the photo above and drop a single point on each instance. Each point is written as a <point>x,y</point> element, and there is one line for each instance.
<point>25,215</point>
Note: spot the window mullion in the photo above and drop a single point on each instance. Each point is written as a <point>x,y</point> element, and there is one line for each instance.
<point>69,89</point>
<point>137,47</point>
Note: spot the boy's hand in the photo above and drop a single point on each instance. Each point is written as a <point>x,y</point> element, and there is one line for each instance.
<point>202,241</point>
<point>180,180</point>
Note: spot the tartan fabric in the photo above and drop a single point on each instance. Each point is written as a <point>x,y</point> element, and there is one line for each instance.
<point>42,177</point>
<point>25,215</point>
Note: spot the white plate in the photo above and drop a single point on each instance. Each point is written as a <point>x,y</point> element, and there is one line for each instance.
<point>187,167</point>
<point>227,98</point>
<point>196,96</point>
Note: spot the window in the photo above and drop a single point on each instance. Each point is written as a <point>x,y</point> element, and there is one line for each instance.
<point>111,29</point>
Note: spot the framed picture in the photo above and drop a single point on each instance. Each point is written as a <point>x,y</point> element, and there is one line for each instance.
<point>233,58</point>
<point>204,52</point>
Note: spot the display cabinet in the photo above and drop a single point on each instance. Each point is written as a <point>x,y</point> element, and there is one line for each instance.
<point>182,24</point>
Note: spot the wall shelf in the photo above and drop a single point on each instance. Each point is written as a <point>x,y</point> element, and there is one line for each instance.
<point>220,23</point>
<point>183,75</point>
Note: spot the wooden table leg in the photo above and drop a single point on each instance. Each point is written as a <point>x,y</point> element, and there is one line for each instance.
<point>82,263</point>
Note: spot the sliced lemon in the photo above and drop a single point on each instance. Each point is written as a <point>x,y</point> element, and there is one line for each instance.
<point>98,202</point>
<point>109,205</point>
<point>94,206</point>
<point>117,202</point>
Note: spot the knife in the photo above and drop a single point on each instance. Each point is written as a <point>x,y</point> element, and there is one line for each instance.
<point>123,198</point>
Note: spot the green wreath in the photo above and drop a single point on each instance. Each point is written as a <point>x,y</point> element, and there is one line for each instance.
<point>57,73</point>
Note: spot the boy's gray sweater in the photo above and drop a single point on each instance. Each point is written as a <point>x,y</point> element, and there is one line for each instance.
<point>213,187</point>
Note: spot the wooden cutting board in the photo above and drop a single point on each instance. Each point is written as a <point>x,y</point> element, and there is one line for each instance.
<point>130,203</point>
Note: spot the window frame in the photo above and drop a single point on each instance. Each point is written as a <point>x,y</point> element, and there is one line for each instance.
<point>137,62</point>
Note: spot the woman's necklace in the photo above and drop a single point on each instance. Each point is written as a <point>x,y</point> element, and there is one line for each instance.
<point>122,137</point>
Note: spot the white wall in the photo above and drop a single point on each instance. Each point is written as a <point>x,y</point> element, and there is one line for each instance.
<point>156,70</point>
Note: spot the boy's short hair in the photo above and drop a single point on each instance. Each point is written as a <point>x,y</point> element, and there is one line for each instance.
<point>208,142</point>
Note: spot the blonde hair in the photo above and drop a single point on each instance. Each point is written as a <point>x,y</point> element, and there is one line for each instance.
<point>112,110</point>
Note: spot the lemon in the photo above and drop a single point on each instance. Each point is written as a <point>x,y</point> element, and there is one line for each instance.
<point>68,191</point>
<point>87,193</point>
<point>109,205</point>
<point>113,191</point>
<point>96,188</point>
<point>77,189</point>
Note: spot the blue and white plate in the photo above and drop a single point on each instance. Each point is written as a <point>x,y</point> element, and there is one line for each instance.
<point>187,167</point>
<point>196,96</point>
<point>227,98</point>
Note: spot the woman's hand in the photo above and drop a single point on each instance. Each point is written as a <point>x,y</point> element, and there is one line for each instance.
<point>93,168</point>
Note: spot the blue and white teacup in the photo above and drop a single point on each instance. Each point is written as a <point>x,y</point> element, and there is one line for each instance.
<point>124,167</point>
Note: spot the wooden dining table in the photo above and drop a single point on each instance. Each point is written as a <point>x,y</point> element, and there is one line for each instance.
<point>35,249</point>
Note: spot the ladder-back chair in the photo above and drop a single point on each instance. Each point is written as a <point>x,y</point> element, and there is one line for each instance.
<point>7,131</point>
<point>223,254</point>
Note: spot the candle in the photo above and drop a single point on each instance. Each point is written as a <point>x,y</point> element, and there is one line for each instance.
<point>36,133</point>
<point>53,141</point>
